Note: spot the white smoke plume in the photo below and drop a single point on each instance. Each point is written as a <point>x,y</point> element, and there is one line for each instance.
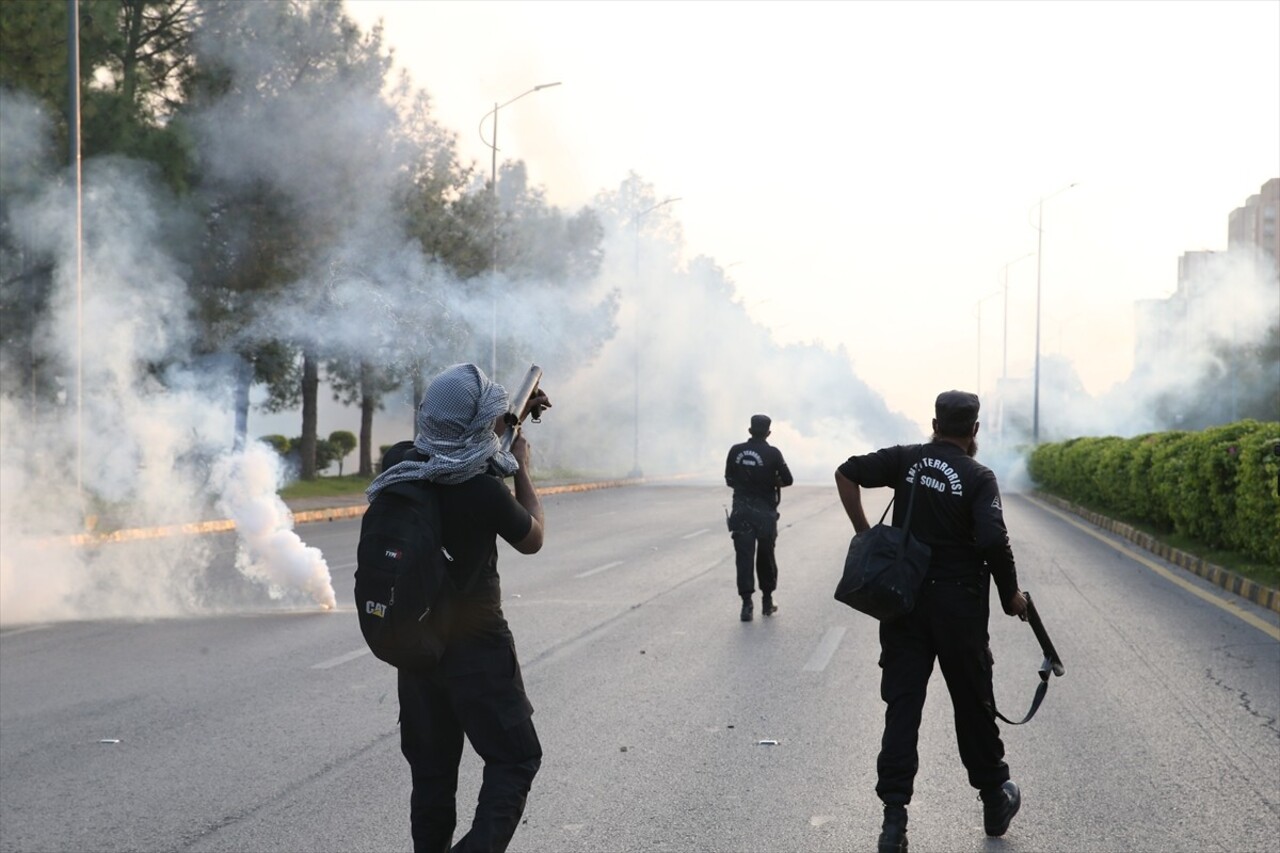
<point>137,451</point>
<point>273,553</point>
<point>651,361</point>
<point>1199,361</point>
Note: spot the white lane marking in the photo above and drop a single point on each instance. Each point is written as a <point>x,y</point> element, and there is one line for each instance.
<point>340,659</point>
<point>695,533</point>
<point>599,569</point>
<point>826,648</point>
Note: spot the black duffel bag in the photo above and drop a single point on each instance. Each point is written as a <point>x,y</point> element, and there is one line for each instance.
<point>885,567</point>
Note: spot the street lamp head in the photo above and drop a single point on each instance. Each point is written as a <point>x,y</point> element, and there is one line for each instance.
<point>654,207</point>
<point>548,86</point>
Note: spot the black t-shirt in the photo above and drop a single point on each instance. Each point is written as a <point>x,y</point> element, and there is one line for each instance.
<point>472,515</point>
<point>957,510</point>
<point>755,470</point>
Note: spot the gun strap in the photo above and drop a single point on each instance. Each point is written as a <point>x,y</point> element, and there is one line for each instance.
<point>1041,689</point>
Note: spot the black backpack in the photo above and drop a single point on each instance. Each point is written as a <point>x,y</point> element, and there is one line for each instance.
<point>402,581</point>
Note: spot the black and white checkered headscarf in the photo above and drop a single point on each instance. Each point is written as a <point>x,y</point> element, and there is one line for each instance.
<point>455,431</point>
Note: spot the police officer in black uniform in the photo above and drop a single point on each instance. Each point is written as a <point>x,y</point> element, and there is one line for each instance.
<point>958,515</point>
<point>756,472</point>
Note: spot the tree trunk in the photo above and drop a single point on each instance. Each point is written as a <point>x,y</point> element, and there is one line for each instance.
<point>419,390</point>
<point>243,380</point>
<point>310,393</point>
<point>367,400</point>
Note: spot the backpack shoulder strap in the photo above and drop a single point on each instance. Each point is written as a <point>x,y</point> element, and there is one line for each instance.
<point>418,491</point>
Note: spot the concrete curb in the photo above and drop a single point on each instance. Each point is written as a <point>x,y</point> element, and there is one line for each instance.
<point>338,513</point>
<point>1259,594</point>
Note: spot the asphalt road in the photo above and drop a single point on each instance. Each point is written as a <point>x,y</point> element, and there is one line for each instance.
<point>265,730</point>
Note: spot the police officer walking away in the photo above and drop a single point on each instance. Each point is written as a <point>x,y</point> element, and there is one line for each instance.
<point>756,472</point>
<point>476,690</point>
<point>958,515</point>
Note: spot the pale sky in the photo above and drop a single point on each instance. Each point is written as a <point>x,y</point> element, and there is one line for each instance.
<point>867,169</point>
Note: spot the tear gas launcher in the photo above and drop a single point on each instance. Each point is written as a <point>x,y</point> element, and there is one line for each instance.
<point>516,411</point>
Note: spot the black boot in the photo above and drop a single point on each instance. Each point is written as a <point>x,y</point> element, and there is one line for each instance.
<point>893,838</point>
<point>999,805</point>
<point>767,607</point>
<point>746,608</point>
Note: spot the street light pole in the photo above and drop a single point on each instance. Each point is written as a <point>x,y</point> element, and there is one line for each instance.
<point>73,133</point>
<point>635,416</point>
<point>1035,406</point>
<point>493,194</point>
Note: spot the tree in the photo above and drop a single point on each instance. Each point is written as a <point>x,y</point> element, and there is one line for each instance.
<point>278,443</point>
<point>343,442</point>
<point>134,55</point>
<point>134,60</point>
<point>300,81</point>
<point>358,380</point>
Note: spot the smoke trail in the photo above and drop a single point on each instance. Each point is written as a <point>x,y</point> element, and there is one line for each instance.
<point>247,485</point>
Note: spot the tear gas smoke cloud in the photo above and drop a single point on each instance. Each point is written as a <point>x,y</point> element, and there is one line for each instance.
<point>1211,327</point>
<point>147,441</point>
<point>654,351</point>
<point>701,367</point>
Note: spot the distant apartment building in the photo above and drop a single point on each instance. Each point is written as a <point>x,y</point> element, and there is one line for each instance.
<point>1168,330</point>
<point>1254,224</point>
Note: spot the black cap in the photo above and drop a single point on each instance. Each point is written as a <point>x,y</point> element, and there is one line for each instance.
<point>956,411</point>
<point>760,424</point>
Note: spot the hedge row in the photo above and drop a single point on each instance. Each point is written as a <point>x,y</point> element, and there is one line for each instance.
<point>1218,485</point>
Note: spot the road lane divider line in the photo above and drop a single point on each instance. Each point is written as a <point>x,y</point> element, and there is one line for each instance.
<point>340,659</point>
<point>826,648</point>
<point>1231,607</point>
<point>695,533</point>
<point>589,572</point>
<point>564,647</point>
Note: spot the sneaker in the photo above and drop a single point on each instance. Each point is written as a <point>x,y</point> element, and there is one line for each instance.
<point>893,837</point>
<point>767,607</point>
<point>999,805</point>
<point>746,608</point>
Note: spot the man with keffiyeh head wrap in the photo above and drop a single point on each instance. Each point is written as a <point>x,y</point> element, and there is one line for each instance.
<point>477,690</point>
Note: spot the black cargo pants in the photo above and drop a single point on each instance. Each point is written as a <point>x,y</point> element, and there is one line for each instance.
<point>949,623</point>
<point>477,692</point>
<point>753,525</point>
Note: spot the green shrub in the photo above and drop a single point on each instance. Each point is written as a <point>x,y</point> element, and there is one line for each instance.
<point>1256,521</point>
<point>278,443</point>
<point>1217,486</point>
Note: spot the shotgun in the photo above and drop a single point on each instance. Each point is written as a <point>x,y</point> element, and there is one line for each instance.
<point>1051,659</point>
<point>1052,663</point>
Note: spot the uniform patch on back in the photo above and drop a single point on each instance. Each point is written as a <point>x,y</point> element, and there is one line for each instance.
<point>995,503</point>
